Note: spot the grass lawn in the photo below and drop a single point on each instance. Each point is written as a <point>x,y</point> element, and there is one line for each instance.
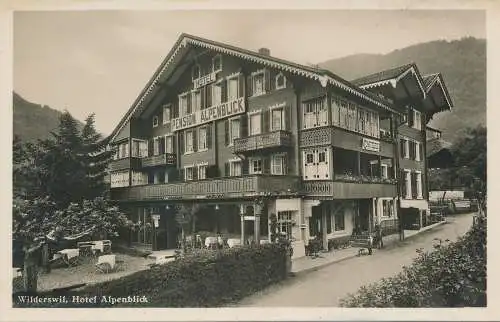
<point>85,273</point>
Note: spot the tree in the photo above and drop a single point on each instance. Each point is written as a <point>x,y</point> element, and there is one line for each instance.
<point>185,217</point>
<point>35,221</point>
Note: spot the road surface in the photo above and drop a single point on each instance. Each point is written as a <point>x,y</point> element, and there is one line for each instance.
<point>328,285</point>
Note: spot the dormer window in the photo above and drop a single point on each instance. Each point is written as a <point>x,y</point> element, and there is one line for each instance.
<point>155,121</point>
<point>195,72</point>
<point>217,64</point>
<point>280,81</point>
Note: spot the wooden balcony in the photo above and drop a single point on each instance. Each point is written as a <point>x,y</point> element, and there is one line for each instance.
<point>263,141</point>
<point>125,164</point>
<point>159,160</point>
<point>221,188</point>
<point>348,190</point>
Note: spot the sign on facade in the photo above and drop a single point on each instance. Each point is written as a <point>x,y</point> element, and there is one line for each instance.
<point>248,217</point>
<point>204,80</point>
<point>213,113</point>
<point>370,145</point>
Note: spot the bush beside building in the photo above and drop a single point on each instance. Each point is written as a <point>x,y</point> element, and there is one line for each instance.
<point>453,275</point>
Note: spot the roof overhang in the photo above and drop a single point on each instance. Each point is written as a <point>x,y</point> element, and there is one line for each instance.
<point>166,68</point>
<point>438,83</point>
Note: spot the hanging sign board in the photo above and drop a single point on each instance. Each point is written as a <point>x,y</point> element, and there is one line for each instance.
<point>204,80</point>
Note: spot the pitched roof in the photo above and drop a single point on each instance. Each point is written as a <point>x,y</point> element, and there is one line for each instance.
<point>381,76</point>
<point>429,80</point>
<point>436,145</point>
<point>323,76</point>
<point>433,79</point>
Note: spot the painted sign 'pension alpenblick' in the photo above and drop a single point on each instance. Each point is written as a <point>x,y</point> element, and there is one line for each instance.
<point>213,113</point>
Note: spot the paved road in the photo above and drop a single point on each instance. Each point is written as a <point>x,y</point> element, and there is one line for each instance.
<point>328,285</point>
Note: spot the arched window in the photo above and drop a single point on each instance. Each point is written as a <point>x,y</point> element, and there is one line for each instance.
<point>280,81</point>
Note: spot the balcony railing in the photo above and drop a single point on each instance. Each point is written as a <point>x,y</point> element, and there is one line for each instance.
<point>262,141</point>
<point>344,189</point>
<point>159,160</point>
<point>125,163</point>
<point>222,188</point>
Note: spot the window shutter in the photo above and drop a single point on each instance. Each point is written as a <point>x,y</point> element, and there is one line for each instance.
<point>208,93</point>
<point>195,140</point>
<point>285,164</point>
<point>223,90</point>
<point>188,103</point>
<point>249,86</point>
<point>226,132</point>
<point>226,169</point>
<point>195,173</point>
<point>202,98</point>
<point>182,146</point>
<point>244,167</point>
<point>241,85</point>
<point>410,117</point>
<point>151,147</point>
<point>267,80</point>
<point>266,164</point>
<point>402,147</point>
<point>265,119</point>
<point>209,135</point>
<point>181,175</point>
<point>287,114</point>
<point>402,183</point>
<point>421,151</point>
<point>243,125</point>
<point>174,145</point>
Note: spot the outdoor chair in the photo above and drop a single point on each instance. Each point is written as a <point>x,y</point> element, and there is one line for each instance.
<point>107,263</point>
<point>233,242</point>
<point>211,242</point>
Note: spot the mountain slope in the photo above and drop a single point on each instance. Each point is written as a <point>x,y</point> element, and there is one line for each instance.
<point>33,121</point>
<point>462,63</point>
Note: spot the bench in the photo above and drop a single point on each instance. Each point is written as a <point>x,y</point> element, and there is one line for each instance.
<point>363,242</point>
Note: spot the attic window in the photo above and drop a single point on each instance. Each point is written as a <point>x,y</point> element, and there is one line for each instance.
<point>195,72</point>
<point>217,63</point>
<point>280,81</point>
<point>155,121</point>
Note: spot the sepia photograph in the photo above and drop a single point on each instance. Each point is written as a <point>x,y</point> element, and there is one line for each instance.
<point>249,159</point>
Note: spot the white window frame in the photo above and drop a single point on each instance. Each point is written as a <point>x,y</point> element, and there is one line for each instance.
<point>417,151</point>
<point>219,101</point>
<point>231,137</point>
<point>384,171</point>
<point>276,81</point>
<point>273,108</point>
<point>250,114</point>
<point>235,76</point>
<point>167,107</point>
<point>193,94</point>
<point>334,223</point>
<point>232,163</point>
<point>202,147</point>
<point>171,138</point>
<point>192,168</point>
<point>192,72</point>
<point>285,223</point>
<point>156,145</point>
<point>408,184</point>
<point>186,141</point>
<point>417,125</point>
<point>218,56</point>
<point>142,152</point>
<point>407,148</point>
<point>202,165</point>
<point>260,72</point>
<point>183,110</point>
<point>418,175</point>
<point>280,158</point>
<point>251,165</point>
<point>155,121</point>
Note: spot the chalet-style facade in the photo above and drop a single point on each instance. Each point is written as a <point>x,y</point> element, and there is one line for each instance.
<point>247,135</point>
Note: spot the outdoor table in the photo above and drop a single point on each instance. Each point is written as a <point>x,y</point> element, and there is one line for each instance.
<point>211,242</point>
<point>69,256</point>
<point>232,242</point>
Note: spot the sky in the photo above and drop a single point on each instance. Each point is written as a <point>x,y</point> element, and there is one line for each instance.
<point>99,61</point>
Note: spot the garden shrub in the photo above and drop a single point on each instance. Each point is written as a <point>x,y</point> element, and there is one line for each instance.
<point>453,275</point>
<point>207,279</point>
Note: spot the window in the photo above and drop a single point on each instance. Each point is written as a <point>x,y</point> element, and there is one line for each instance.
<point>195,72</point>
<point>405,148</point>
<point>232,88</point>
<point>277,119</point>
<point>122,151</point>
<point>336,111</point>
<point>234,130</point>
<point>278,165</point>
<point>407,184</point>
<point>410,121</point>
<point>255,123</point>
<point>258,83</point>
<point>385,172</point>
<point>156,146</point>
<point>216,94</point>
<point>418,176</point>
<point>217,63</point>
<point>120,179</point>
<point>188,173</point>
<point>417,151</point>
<point>196,100</point>
<point>169,144</point>
<point>417,120</point>
<point>339,222</point>
<point>202,171</point>
<point>184,107</point>
<point>285,223</point>
<point>322,157</point>
<point>155,121</point>
<point>315,113</point>
<point>166,113</point>
<point>188,142</point>
<point>235,168</point>
<point>387,208</point>
<point>280,81</point>
<point>202,139</point>
<point>139,178</point>
<point>255,166</point>
<point>309,158</point>
<point>139,148</point>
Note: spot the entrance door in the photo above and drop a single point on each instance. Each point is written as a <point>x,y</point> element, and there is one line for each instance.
<point>145,233</point>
